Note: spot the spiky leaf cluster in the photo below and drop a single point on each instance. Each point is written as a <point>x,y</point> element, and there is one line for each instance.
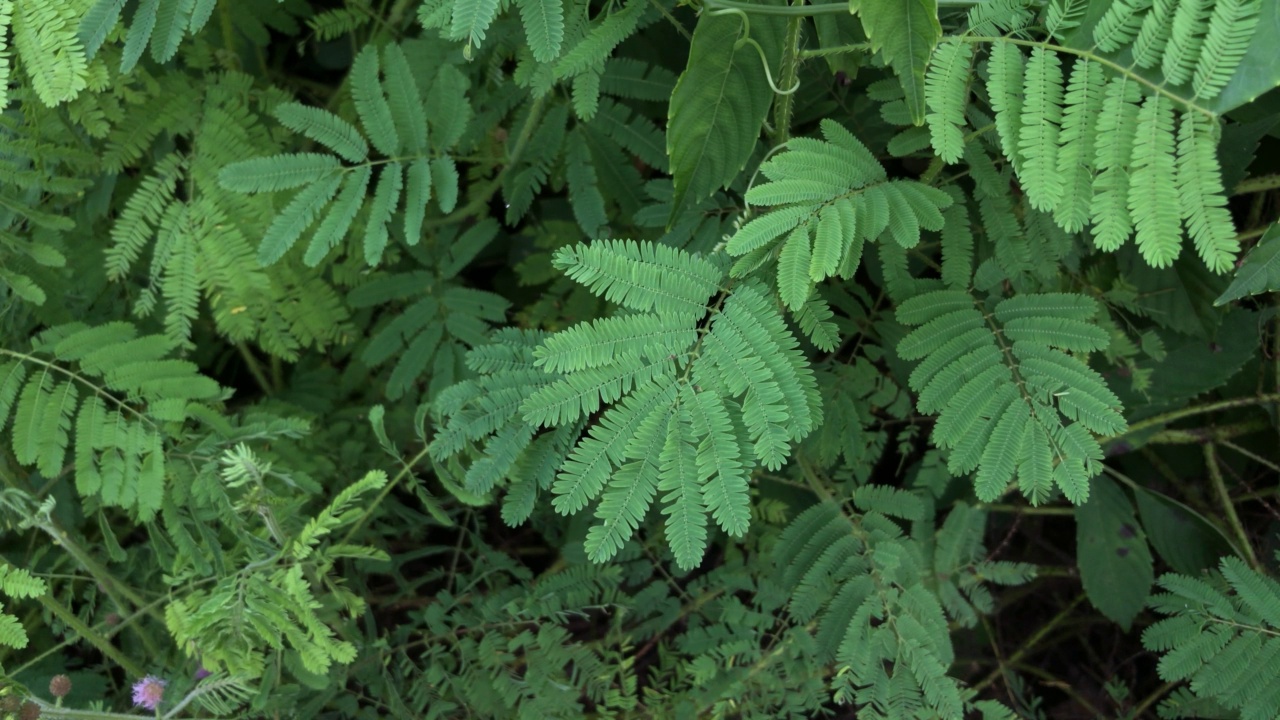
<point>110,395</point>
<point>1221,636</point>
<point>1013,401</point>
<point>865,588</point>
<point>690,386</point>
<point>1099,145</point>
<point>336,183</point>
<point>828,198</point>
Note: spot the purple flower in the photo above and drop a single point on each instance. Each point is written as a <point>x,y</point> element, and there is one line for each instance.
<point>148,692</point>
<point>201,673</point>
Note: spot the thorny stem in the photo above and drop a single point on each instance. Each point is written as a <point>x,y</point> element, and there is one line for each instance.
<point>787,78</point>
<point>835,50</point>
<point>1258,184</point>
<point>1219,434</point>
<point>1228,508</point>
<point>1166,418</point>
<point>78,626</point>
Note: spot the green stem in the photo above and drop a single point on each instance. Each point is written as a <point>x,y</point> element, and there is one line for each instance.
<point>78,626</point>
<point>99,572</point>
<point>368,511</point>
<point>1228,508</point>
<point>1141,709</point>
<point>480,201</point>
<point>1025,510</point>
<point>53,712</point>
<point>111,632</point>
<point>255,369</point>
<point>1166,418</point>
<point>835,50</point>
<point>1174,436</point>
<point>810,10</point>
<point>1089,55</point>
<point>787,78</point>
<point>1258,184</point>
<point>1031,642</point>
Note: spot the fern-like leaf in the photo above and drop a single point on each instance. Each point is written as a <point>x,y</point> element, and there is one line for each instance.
<point>1200,194</point>
<point>1153,189</point>
<point>1231,29</point>
<point>945,90</point>
<point>544,26</point>
<point>643,277</point>
<point>325,128</point>
<point>686,514</point>
<point>1038,133</point>
<point>1001,412</point>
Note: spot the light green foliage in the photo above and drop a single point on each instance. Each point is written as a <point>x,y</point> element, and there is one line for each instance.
<point>1130,161</point>
<point>1013,404</point>
<point>736,396</point>
<point>104,392</point>
<point>829,199</point>
<point>16,583</point>
<point>1220,636</point>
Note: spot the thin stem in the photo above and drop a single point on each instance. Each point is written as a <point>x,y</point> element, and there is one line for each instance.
<point>835,50</point>
<point>1175,436</point>
<point>1151,699</point>
<point>1092,57</point>
<point>78,626</point>
<point>1166,418</point>
<point>1228,508</point>
<point>1031,642</point>
<point>255,368</point>
<point>110,633</point>
<point>386,490</point>
<point>1251,455</point>
<point>809,10</point>
<point>666,14</point>
<point>480,201</point>
<point>1026,510</point>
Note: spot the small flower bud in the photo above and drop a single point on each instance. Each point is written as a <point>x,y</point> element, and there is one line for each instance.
<point>113,619</point>
<point>59,686</point>
<point>30,711</point>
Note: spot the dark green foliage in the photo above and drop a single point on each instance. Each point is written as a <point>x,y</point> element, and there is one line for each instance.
<point>638,359</point>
